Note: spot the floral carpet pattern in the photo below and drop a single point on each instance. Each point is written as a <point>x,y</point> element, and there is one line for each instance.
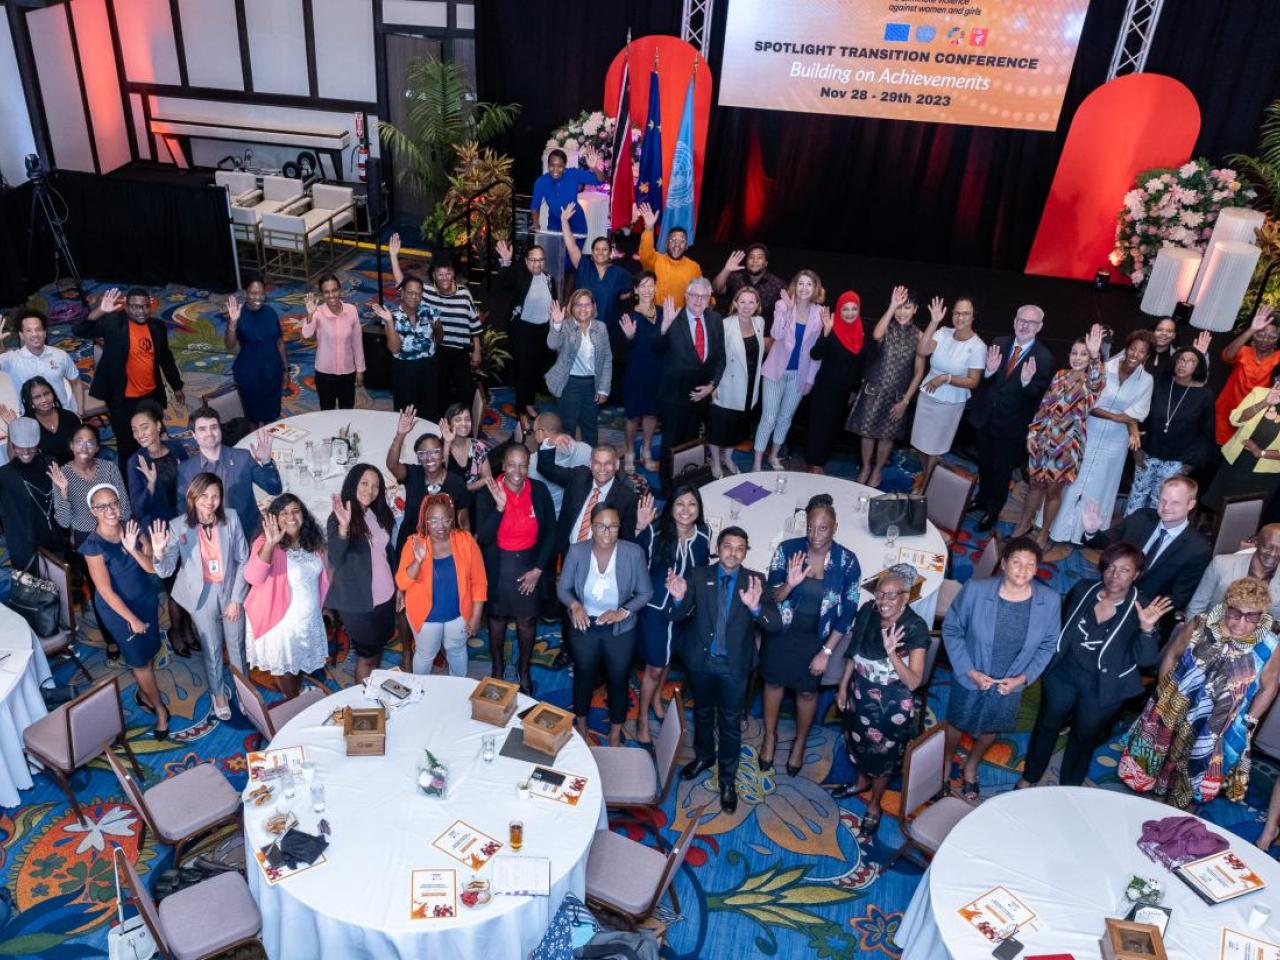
<point>786,875</point>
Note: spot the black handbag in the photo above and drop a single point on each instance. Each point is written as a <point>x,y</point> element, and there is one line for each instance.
<point>907,511</point>
<point>36,600</point>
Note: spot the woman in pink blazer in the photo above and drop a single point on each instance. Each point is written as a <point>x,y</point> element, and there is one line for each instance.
<point>789,370</point>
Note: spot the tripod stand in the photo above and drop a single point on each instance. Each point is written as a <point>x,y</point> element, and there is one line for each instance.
<point>45,203</point>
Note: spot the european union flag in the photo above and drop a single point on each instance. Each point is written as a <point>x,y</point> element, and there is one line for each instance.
<point>897,32</point>
<point>649,186</point>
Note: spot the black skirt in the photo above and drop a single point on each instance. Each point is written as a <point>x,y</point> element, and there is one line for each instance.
<point>728,428</point>
<point>505,598</point>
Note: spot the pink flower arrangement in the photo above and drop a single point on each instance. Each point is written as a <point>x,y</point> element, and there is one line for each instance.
<point>1175,207</point>
<point>591,128</point>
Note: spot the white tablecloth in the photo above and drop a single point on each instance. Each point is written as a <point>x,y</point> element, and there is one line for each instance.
<point>21,705</point>
<point>357,904</point>
<point>766,522</point>
<point>1068,853</point>
<point>377,428</point>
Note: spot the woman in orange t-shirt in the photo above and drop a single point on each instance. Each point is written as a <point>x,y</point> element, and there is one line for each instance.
<point>1253,358</point>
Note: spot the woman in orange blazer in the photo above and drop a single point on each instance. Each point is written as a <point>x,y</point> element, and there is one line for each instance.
<point>442,576</point>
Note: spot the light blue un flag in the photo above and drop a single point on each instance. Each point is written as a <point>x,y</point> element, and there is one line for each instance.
<point>679,210</point>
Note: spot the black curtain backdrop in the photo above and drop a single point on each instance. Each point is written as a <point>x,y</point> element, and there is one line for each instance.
<point>146,231</point>
<point>900,189</point>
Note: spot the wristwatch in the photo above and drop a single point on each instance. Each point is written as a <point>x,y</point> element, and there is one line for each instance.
<point>827,650</point>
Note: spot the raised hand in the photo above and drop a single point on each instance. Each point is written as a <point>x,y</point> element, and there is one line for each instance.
<point>7,413</point>
<point>129,536</point>
<point>419,549</point>
<point>447,433</point>
<point>341,510</point>
<point>393,245</point>
<point>563,441</point>
<point>797,569</point>
<point>1091,519</point>
<point>646,512</point>
<point>382,313</point>
<point>753,594</point>
<point>1093,340</point>
<point>557,312</point>
<point>497,491</point>
<point>58,478</point>
<point>828,320</point>
<point>504,251</point>
<point>892,638</point>
<point>898,297</point>
<point>937,310</point>
<point>734,261</point>
<point>404,423</point>
<point>1262,317</point>
<point>668,313</point>
<point>149,473</point>
<point>233,309</point>
<point>1273,395</point>
<point>650,218</point>
<point>271,531</point>
<point>1152,613</point>
<point>677,586</point>
<point>993,360</point>
<point>1028,370</point>
<point>628,326</point>
<point>111,301</point>
<point>310,303</point>
<point>592,156</point>
<point>261,446</point>
<point>159,534</point>
<point>785,298</point>
<point>1202,341</point>
<point>567,212</point>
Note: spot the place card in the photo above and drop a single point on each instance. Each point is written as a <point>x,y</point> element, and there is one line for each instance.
<point>265,765</point>
<point>277,872</point>
<point>1220,877</point>
<point>557,785</point>
<point>1240,946</point>
<point>467,845</point>
<point>997,914</point>
<point>923,559</point>
<point>287,434</point>
<point>522,876</point>
<point>433,894</point>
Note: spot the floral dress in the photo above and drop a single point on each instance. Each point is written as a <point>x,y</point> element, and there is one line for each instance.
<point>1055,441</point>
<point>885,383</point>
<point>877,723</point>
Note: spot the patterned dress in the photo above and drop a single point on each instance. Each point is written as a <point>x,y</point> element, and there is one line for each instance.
<point>1190,743</point>
<point>1055,442</point>
<point>885,383</point>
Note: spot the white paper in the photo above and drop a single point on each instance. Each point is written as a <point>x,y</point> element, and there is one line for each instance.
<point>1240,946</point>
<point>522,876</point>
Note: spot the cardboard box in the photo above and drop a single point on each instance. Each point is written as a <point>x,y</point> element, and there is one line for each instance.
<point>547,728</point>
<point>364,730</point>
<point>494,701</point>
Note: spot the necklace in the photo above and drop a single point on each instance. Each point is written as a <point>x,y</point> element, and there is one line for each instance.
<point>1170,414</point>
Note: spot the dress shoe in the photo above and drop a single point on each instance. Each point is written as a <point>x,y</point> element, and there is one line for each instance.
<point>695,767</point>
<point>844,792</point>
<point>728,797</point>
<point>987,522</point>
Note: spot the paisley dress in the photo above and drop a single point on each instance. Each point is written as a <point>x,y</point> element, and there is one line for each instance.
<point>1055,441</point>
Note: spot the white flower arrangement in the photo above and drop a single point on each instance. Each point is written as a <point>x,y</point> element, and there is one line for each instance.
<point>591,128</point>
<point>1177,207</point>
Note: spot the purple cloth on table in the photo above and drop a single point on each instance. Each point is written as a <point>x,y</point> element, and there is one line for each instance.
<point>1174,841</point>
<point>747,493</point>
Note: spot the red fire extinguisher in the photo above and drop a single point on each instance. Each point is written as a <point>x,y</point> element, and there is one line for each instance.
<point>362,150</point>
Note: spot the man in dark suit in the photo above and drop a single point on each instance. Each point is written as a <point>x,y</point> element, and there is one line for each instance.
<point>719,650</point>
<point>135,353</point>
<point>1017,374</point>
<point>1177,554</point>
<point>692,346</point>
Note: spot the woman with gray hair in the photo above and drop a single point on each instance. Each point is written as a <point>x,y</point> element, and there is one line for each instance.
<point>886,656</point>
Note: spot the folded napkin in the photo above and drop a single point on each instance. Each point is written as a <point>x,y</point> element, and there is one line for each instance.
<point>298,848</point>
<point>1174,841</point>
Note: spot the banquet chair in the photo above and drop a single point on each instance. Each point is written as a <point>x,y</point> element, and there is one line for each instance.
<point>62,643</point>
<point>268,720</point>
<point>77,732</point>
<point>206,919</point>
<point>628,878</point>
<point>924,817</point>
<point>1236,521</point>
<point>93,407</point>
<point>226,404</point>
<point>983,567</point>
<point>629,776</point>
<point>1267,736</point>
<point>180,808</point>
<point>947,499</point>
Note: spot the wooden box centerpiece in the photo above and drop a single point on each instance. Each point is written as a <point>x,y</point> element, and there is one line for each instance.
<point>364,730</point>
<point>547,728</point>
<point>494,701</point>
<point>1125,940</point>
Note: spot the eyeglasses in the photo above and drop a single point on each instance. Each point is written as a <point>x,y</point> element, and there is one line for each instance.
<point>1253,616</point>
<point>84,444</point>
<point>439,521</point>
<point>536,259</point>
<point>112,507</point>
<point>606,527</point>
<point>889,594</point>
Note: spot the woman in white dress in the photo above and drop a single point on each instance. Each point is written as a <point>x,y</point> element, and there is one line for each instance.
<point>1111,433</point>
<point>956,358</point>
<point>285,633</point>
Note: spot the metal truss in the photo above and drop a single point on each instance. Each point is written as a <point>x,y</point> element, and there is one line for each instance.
<point>1134,42</point>
<point>695,24</point>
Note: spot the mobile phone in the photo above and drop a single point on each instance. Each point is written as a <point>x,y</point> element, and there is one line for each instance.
<point>395,688</point>
<point>1007,949</point>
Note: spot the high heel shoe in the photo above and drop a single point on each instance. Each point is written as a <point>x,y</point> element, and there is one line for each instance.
<point>794,772</point>
<point>137,698</point>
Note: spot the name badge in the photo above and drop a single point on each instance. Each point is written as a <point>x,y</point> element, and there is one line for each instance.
<point>215,566</point>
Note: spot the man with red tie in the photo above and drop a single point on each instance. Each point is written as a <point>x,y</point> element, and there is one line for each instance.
<point>1018,371</point>
<point>691,342</point>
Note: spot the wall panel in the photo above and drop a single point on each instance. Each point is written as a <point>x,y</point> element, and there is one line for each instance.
<point>345,49</point>
<point>16,139</point>
<point>211,43</point>
<point>60,88</point>
<point>146,36</point>
<point>102,86</point>
<point>277,46</point>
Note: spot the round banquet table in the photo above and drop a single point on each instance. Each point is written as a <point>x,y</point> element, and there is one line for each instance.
<point>377,428</point>
<point>21,674</point>
<point>357,903</point>
<point>1068,853</point>
<point>766,522</point>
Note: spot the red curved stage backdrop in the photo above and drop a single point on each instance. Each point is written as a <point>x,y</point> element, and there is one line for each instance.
<point>675,64</point>
<point>1129,125</point>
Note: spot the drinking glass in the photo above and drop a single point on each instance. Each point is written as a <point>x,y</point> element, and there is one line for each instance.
<point>317,797</point>
<point>864,505</point>
<point>288,785</point>
<point>487,744</point>
<point>515,834</point>
<point>735,510</point>
<point>780,483</point>
<point>891,544</point>
<point>308,772</point>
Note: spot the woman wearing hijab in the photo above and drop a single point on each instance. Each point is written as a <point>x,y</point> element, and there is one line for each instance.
<point>839,350</point>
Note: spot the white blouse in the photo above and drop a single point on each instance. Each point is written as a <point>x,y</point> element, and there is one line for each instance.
<point>601,588</point>
<point>956,357</point>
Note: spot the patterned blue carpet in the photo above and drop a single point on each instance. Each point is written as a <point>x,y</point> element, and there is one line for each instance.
<point>786,875</point>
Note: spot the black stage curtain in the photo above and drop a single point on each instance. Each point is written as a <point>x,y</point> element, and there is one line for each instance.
<point>932,192</point>
<point>129,230</point>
